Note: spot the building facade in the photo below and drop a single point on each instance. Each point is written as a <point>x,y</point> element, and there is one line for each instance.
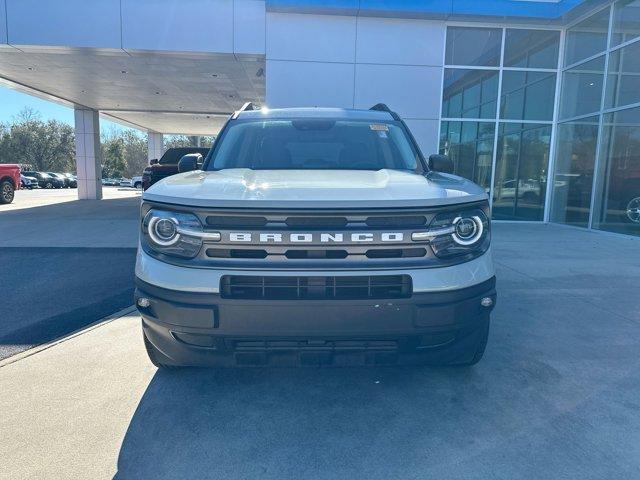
<point>540,107</point>
<point>538,101</point>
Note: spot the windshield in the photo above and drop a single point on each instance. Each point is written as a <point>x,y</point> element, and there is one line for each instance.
<point>314,144</point>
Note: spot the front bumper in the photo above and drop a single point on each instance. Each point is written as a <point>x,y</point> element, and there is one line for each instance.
<point>203,329</point>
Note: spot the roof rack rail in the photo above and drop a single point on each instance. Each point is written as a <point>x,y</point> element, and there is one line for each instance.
<point>246,107</point>
<point>382,107</point>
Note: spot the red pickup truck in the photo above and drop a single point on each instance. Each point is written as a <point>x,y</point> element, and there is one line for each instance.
<point>9,181</point>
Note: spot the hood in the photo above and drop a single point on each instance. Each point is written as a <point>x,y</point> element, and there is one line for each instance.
<point>313,189</point>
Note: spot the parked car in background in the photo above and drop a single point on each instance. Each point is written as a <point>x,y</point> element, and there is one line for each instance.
<point>28,182</point>
<point>110,182</point>
<point>73,180</point>
<point>9,181</point>
<point>135,182</point>
<point>66,183</point>
<point>45,180</point>
<point>168,164</point>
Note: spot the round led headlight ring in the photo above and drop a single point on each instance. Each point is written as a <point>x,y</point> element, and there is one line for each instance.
<point>164,231</point>
<point>468,230</point>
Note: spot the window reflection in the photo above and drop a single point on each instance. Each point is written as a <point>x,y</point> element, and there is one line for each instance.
<point>470,147</point>
<point>582,89</point>
<point>573,178</point>
<point>587,38</point>
<point>626,21</point>
<point>521,171</point>
<point>623,79</point>
<point>473,46</point>
<point>619,196</point>
<point>470,93</point>
<point>531,48</point>
<point>527,95</point>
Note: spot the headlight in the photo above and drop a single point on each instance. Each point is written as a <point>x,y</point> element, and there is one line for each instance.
<point>164,231</point>
<point>174,233</point>
<point>456,233</point>
<point>467,230</point>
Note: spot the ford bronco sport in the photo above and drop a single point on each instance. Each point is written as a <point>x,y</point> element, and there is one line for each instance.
<point>315,236</point>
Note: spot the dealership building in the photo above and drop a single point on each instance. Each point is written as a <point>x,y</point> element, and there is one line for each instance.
<point>538,101</point>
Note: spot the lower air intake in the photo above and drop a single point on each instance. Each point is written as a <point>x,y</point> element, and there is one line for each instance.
<point>315,288</point>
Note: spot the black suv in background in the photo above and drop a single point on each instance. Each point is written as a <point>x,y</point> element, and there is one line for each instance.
<point>45,180</point>
<point>168,164</point>
<point>68,181</point>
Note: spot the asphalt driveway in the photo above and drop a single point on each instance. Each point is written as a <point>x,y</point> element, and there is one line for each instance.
<point>67,263</point>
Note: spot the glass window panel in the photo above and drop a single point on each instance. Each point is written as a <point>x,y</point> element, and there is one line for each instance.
<point>531,48</point>
<point>623,79</point>
<point>470,147</point>
<point>626,21</point>
<point>520,183</point>
<point>489,96</point>
<point>582,89</point>
<point>587,38</point>
<point>527,95</point>
<point>469,93</point>
<point>619,196</point>
<point>573,176</point>
<point>473,46</point>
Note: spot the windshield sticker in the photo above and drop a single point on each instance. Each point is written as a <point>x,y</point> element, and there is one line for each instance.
<point>379,127</point>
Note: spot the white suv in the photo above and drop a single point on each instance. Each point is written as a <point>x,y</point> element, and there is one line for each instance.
<point>317,237</point>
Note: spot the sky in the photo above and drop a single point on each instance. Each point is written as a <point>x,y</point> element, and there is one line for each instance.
<point>13,102</point>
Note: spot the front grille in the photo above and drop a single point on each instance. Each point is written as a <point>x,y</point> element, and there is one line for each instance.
<point>397,221</point>
<point>222,221</point>
<point>242,245</point>
<point>308,240</point>
<point>315,288</point>
<point>316,254</point>
<point>316,222</point>
<point>236,253</point>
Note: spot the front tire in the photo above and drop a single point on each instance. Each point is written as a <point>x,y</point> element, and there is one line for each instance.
<point>7,192</point>
<point>137,185</point>
<point>156,357</point>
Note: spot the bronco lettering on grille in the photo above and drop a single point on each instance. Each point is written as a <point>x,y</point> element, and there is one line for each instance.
<point>316,237</point>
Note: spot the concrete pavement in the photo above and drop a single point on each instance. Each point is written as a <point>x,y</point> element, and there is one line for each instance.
<point>56,218</point>
<point>555,397</point>
<point>41,196</point>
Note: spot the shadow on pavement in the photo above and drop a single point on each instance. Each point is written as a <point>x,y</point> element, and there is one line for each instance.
<point>298,423</point>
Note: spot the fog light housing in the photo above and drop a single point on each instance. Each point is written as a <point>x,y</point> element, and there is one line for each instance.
<point>144,302</point>
<point>486,302</point>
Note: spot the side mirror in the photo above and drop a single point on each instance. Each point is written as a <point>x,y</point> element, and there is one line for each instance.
<point>440,163</point>
<point>153,161</point>
<point>189,162</point>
